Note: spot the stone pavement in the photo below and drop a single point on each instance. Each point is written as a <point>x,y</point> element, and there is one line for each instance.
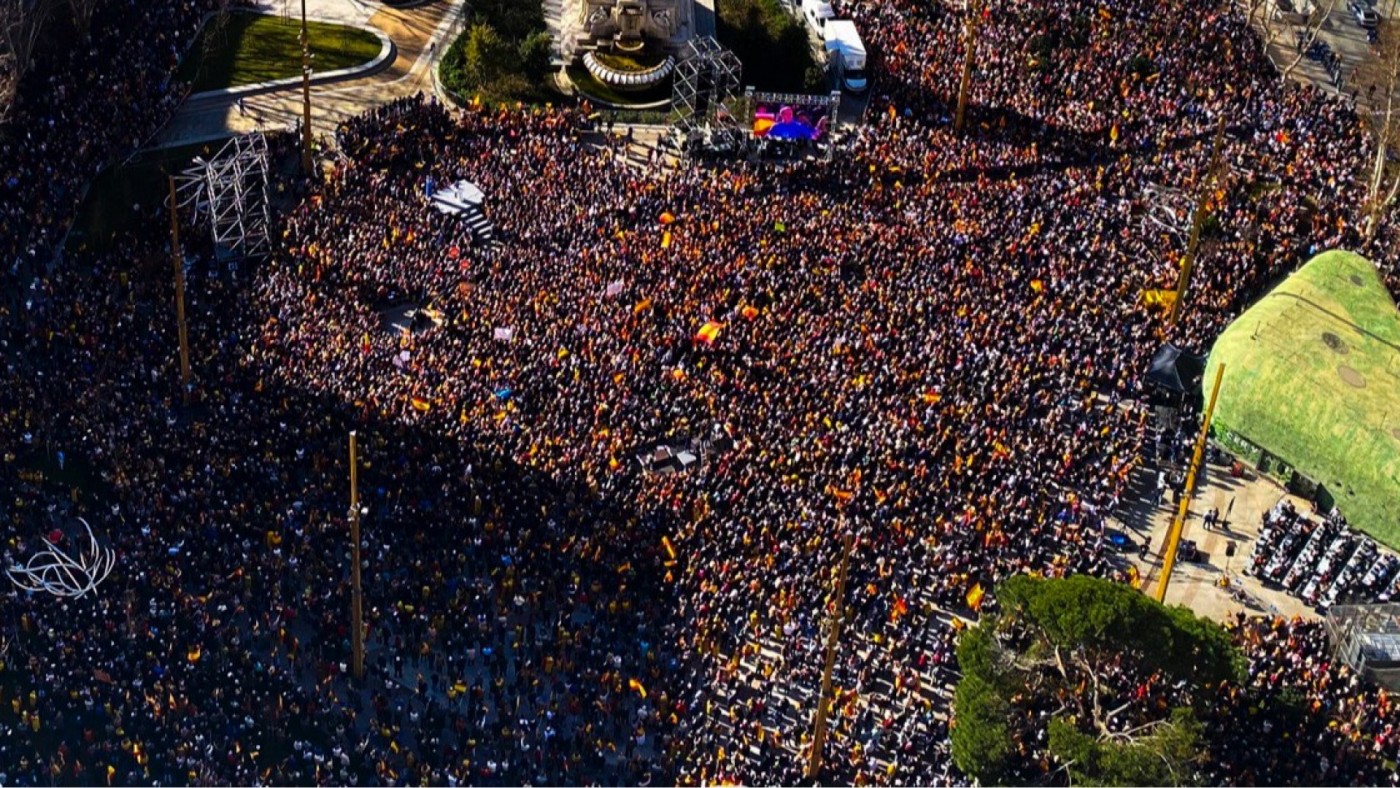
<point>355,13</point>
<point>1194,585</point>
<point>1340,32</point>
<point>420,34</point>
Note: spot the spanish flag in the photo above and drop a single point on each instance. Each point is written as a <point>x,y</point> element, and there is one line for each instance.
<point>974,597</point>
<point>749,312</point>
<point>636,686</point>
<point>901,608</point>
<point>421,404</point>
<point>644,304</point>
<point>667,217</point>
<point>1159,298</point>
<point>709,332</point>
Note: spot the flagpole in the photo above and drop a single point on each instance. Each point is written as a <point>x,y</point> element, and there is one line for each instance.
<point>1183,507</point>
<point>814,759</point>
<point>357,629</point>
<point>178,258</point>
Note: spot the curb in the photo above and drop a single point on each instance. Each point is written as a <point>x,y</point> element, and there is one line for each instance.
<point>448,97</point>
<point>387,52</point>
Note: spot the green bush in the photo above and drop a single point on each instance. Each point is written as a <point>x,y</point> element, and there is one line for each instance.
<point>502,56</point>
<point>515,20</point>
<point>535,56</point>
<point>772,45</point>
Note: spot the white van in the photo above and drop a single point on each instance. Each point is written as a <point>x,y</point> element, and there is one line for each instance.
<point>815,13</point>
<point>845,54</point>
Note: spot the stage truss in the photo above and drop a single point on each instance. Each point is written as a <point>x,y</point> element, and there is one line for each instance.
<point>230,189</point>
<point>706,81</point>
<point>1367,639</point>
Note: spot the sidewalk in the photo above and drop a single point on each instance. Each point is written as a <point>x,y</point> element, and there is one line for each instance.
<point>419,34</point>
<point>1344,36</point>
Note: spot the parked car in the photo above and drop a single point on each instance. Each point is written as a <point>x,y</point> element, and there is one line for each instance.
<point>1364,14</point>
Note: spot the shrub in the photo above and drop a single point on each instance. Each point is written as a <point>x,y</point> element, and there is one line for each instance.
<point>503,56</point>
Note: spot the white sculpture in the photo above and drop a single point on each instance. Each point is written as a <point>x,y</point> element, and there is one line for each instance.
<point>56,572</point>
<point>625,26</point>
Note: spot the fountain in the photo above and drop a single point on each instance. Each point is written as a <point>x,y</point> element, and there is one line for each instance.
<point>629,45</point>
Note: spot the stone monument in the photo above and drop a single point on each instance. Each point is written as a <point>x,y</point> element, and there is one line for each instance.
<point>656,29</point>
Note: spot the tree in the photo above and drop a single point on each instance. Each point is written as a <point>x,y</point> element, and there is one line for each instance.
<point>536,52</point>
<point>83,11</point>
<point>1384,180</point>
<point>1103,675</point>
<point>1316,18</point>
<point>1163,757</point>
<point>21,24</point>
<point>981,740</point>
<point>1267,13</point>
<point>488,56</point>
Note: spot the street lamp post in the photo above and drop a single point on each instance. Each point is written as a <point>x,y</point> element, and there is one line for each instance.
<point>306,163</point>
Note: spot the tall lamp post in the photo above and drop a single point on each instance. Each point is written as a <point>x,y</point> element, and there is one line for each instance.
<point>178,258</point>
<point>814,760</point>
<point>357,628</point>
<point>306,163</point>
<point>974,12</point>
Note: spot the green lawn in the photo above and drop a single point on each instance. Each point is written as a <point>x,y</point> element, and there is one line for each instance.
<point>629,63</point>
<point>250,48</point>
<point>1312,376</point>
<point>587,83</point>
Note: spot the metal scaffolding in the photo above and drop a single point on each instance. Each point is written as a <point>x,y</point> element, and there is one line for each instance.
<point>707,79</point>
<point>1367,638</point>
<point>231,189</point>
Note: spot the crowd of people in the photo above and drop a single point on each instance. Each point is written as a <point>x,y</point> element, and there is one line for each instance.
<point>1303,717</point>
<point>932,344</point>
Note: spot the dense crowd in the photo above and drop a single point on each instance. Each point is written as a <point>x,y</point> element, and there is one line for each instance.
<point>92,97</point>
<point>931,343</point>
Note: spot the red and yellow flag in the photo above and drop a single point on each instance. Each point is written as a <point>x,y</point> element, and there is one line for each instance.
<point>709,332</point>
<point>974,597</point>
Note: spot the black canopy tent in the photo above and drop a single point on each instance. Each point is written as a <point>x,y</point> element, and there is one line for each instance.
<point>1176,371</point>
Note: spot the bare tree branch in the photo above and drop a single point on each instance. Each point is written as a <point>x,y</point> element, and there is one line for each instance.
<point>83,12</point>
<point>21,23</point>
<point>1315,22</point>
<point>1379,195</point>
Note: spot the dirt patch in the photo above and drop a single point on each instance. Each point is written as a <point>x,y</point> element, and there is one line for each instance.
<point>1351,377</point>
<point>1334,343</point>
